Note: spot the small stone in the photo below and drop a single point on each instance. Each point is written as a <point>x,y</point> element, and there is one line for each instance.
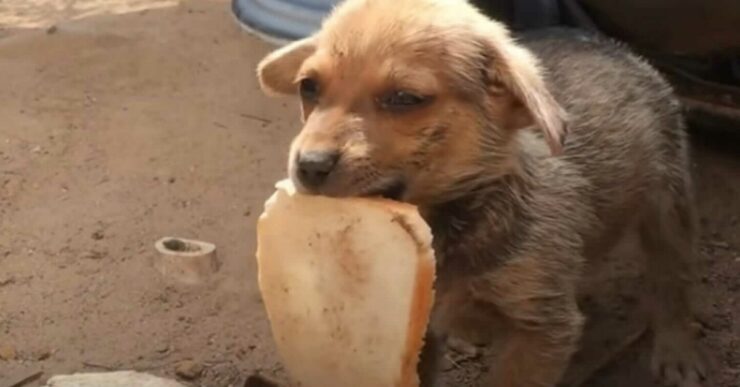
<point>7,281</point>
<point>188,370</point>
<point>171,180</point>
<point>43,355</point>
<point>52,30</point>
<point>7,352</point>
<point>94,255</point>
<point>97,235</point>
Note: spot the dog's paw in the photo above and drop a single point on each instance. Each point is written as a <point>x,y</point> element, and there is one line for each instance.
<point>677,361</point>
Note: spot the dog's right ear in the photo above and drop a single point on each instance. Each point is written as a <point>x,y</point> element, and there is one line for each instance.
<point>277,71</point>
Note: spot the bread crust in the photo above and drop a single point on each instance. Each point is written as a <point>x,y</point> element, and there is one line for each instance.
<point>287,218</point>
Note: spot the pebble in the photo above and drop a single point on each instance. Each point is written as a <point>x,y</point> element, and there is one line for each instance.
<point>7,352</point>
<point>7,281</point>
<point>188,369</point>
<point>43,355</point>
<point>94,255</point>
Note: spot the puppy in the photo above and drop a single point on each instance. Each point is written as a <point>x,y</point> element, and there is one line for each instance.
<point>526,157</point>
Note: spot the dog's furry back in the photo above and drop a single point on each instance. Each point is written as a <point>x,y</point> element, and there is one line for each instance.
<point>626,134</point>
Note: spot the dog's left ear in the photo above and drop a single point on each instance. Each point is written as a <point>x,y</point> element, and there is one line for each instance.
<point>277,71</point>
<point>518,70</point>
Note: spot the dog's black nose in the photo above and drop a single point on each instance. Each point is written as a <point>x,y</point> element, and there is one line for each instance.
<point>315,166</point>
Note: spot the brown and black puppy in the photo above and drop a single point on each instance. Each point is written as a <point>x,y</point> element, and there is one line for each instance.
<point>526,157</point>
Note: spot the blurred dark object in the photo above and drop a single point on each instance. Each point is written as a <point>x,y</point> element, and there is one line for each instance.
<point>687,27</point>
<point>695,43</point>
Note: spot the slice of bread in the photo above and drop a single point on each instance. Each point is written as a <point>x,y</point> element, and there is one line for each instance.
<point>347,284</point>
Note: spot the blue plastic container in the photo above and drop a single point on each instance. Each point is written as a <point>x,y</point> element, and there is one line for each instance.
<point>281,21</point>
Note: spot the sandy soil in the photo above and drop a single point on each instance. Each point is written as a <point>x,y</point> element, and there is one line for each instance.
<point>118,129</point>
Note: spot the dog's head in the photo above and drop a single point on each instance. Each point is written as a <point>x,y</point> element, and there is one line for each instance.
<point>413,100</point>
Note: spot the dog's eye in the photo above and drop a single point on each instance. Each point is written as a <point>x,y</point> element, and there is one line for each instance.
<point>401,100</point>
<point>309,89</point>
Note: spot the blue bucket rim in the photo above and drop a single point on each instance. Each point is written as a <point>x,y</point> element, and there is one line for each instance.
<point>278,21</point>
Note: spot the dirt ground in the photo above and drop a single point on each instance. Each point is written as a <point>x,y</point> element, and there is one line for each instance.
<point>127,124</point>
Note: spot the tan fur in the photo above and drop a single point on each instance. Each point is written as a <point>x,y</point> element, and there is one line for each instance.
<point>515,204</point>
<point>276,65</point>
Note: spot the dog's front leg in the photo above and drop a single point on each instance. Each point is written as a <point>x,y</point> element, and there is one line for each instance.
<point>541,309</point>
<point>531,358</point>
